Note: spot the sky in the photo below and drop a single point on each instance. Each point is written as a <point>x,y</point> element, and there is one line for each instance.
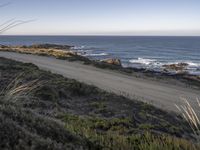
<point>103,17</point>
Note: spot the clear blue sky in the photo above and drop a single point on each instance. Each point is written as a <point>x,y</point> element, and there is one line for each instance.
<point>104,17</point>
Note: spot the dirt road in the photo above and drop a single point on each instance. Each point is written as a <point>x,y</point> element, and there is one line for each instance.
<point>159,94</point>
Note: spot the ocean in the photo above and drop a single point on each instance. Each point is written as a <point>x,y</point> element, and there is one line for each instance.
<point>151,52</point>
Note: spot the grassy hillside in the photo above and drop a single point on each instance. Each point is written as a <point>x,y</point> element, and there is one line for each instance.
<point>41,110</point>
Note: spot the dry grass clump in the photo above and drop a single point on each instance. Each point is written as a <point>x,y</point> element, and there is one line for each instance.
<point>18,88</point>
<point>58,53</point>
<point>190,115</point>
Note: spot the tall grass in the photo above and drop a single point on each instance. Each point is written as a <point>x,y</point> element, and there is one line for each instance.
<point>190,115</point>
<point>18,88</point>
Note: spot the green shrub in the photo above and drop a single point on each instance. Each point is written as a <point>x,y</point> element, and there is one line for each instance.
<point>116,134</point>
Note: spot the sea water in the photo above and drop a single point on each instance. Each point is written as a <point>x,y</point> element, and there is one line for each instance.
<point>151,52</point>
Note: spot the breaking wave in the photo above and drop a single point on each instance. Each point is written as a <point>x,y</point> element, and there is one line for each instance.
<point>142,61</point>
<point>192,67</point>
<point>98,54</point>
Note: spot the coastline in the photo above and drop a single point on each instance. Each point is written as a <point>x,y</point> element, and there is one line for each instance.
<point>150,53</point>
<point>160,94</point>
<point>66,52</point>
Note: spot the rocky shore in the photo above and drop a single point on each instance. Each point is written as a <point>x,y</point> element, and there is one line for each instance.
<point>172,71</point>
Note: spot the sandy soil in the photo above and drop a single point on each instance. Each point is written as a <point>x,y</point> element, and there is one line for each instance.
<point>162,95</point>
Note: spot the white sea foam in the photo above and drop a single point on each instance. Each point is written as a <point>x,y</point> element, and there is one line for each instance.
<point>192,68</point>
<point>192,64</point>
<point>98,54</point>
<point>78,47</point>
<point>142,61</point>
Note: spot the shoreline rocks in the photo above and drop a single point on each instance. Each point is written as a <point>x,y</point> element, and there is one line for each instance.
<point>112,61</point>
<point>179,67</point>
<point>48,46</point>
<point>58,51</point>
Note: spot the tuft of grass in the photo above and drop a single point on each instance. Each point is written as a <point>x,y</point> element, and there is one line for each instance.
<point>190,115</point>
<point>19,88</point>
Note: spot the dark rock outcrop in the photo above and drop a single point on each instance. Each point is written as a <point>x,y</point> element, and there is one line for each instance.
<point>3,46</point>
<point>48,46</point>
<point>176,67</point>
<point>113,61</point>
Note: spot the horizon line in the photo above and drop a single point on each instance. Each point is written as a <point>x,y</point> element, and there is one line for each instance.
<point>100,35</point>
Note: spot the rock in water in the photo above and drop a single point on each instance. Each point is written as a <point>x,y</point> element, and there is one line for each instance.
<point>176,67</point>
<point>49,46</point>
<point>113,61</point>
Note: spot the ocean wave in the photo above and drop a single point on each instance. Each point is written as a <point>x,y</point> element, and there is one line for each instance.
<point>192,64</point>
<point>78,47</point>
<point>98,54</point>
<point>153,64</point>
<point>142,61</point>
